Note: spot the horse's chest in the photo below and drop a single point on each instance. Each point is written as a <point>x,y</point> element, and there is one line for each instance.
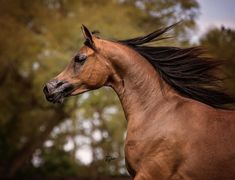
<point>136,152</point>
<point>137,146</point>
<point>133,151</point>
<point>157,156</point>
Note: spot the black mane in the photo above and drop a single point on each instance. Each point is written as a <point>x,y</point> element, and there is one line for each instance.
<point>187,70</point>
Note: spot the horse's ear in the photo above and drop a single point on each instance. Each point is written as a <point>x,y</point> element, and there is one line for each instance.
<point>87,34</point>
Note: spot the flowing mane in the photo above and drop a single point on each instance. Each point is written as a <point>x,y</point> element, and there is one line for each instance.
<point>186,70</point>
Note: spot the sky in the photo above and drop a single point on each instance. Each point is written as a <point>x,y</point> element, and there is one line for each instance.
<point>215,13</point>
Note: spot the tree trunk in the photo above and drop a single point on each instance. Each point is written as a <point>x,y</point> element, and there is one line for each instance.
<point>26,152</point>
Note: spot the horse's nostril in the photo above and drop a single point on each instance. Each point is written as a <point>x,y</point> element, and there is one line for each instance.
<point>59,84</point>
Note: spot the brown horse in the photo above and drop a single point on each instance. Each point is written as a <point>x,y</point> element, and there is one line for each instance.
<point>177,127</point>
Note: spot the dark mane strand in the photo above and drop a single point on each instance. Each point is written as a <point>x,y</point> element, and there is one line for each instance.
<point>187,70</point>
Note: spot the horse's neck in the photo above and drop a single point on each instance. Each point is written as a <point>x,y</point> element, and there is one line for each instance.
<point>140,89</point>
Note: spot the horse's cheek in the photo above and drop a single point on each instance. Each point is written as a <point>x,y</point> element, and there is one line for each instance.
<point>100,76</point>
<point>95,77</point>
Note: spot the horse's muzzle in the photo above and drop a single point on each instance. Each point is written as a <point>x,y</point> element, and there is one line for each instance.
<point>55,90</point>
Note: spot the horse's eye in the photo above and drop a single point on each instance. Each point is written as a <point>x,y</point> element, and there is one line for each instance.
<point>80,58</point>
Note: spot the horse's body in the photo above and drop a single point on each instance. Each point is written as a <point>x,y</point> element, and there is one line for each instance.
<point>169,136</point>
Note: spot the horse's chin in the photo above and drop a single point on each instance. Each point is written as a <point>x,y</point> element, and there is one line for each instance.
<point>58,99</point>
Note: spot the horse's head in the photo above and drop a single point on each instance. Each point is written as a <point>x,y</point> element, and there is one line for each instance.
<point>89,69</point>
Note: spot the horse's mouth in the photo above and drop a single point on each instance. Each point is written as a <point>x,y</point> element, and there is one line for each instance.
<point>59,94</point>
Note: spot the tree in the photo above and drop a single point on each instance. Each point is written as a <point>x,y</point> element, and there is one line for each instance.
<point>221,44</point>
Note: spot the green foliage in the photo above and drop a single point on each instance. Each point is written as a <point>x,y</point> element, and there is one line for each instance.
<point>221,44</point>
<point>38,39</point>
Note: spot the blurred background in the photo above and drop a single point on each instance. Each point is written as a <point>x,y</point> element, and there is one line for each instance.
<point>84,136</point>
